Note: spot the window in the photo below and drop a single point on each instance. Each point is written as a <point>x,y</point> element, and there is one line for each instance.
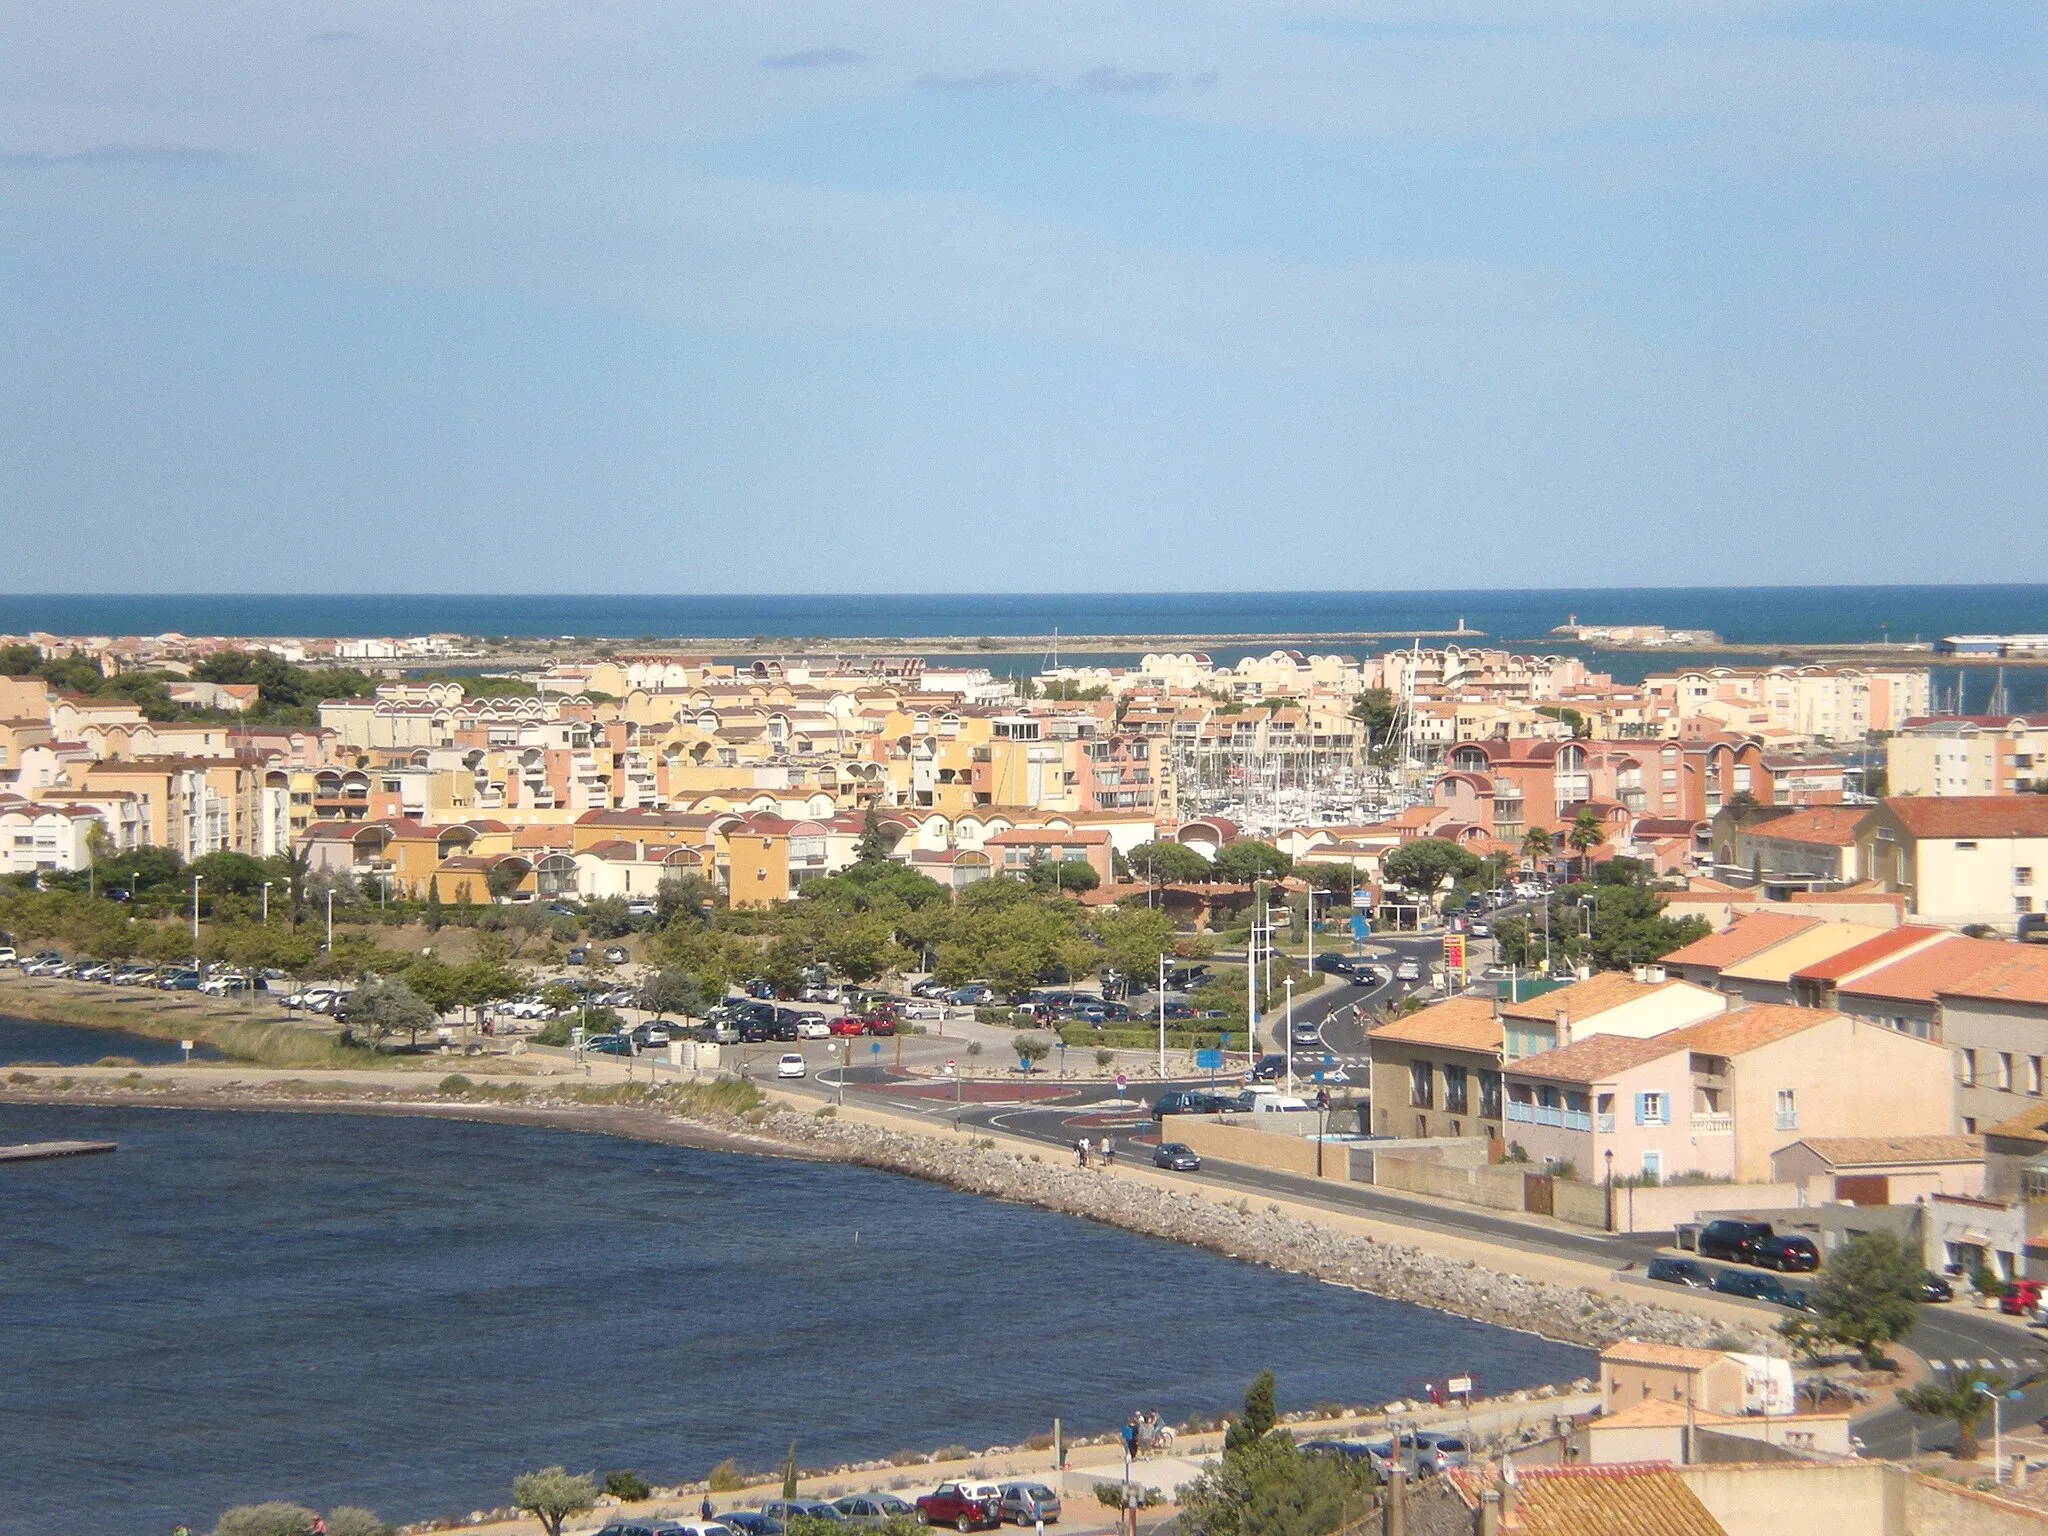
<point>1788,1110</point>
<point>2023,903</point>
<point>1604,1107</point>
<point>1489,1093</point>
<point>1653,1165</point>
<point>2034,1075</point>
<point>1652,1109</point>
<point>1966,847</point>
<point>2005,1070</point>
<point>2024,875</point>
<point>1454,1091</point>
<point>1420,1095</point>
<point>1966,1068</point>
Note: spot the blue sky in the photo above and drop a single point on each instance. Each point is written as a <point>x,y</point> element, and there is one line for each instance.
<point>342,295</point>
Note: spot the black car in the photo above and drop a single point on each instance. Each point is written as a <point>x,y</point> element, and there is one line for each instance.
<point>1681,1272</point>
<point>1268,1069</point>
<point>750,1522</point>
<point>1342,965</point>
<point>1178,1156</point>
<point>1791,1255</point>
<point>1189,1101</point>
<point>1741,1282</point>
<point>1730,1239</point>
<point>1934,1288</point>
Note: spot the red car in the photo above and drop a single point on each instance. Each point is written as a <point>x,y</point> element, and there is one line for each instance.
<point>2020,1298</point>
<point>964,1506</point>
<point>847,1027</point>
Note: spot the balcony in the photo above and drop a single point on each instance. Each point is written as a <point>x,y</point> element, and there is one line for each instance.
<point>1713,1125</point>
<point>1577,1120</point>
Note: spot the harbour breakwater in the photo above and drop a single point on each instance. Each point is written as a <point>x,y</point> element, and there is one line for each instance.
<point>711,1117</point>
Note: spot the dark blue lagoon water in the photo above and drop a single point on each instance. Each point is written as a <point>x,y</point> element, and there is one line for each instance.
<point>1750,614</point>
<point>404,1313</point>
<point>64,1045</point>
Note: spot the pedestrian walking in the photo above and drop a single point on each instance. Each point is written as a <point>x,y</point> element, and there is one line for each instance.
<point>1109,1151</point>
<point>705,1510</point>
<point>1081,1153</point>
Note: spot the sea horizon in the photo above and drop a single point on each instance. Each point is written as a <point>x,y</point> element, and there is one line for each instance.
<point>1814,614</point>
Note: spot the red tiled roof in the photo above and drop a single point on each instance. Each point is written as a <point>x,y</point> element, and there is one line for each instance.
<point>1750,934</point>
<point>1824,826</point>
<point>1859,957</point>
<point>2020,977</point>
<point>1972,815</point>
<point>1920,976</point>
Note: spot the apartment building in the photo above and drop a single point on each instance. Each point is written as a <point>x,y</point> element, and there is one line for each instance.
<point>1438,1072</point>
<point>1968,755</point>
<point>1819,702</point>
<point>1960,860</point>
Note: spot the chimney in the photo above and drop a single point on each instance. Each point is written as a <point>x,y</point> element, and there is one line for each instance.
<point>1510,1492</point>
<point>1489,1512</point>
<point>1564,1028</point>
<point>1397,1502</point>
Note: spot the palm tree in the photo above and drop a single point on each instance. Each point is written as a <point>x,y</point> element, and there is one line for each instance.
<point>1536,844</point>
<point>1961,1398</point>
<point>1588,832</point>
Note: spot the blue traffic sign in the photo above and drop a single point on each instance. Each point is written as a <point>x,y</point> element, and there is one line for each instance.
<point>875,1049</point>
<point>1208,1061</point>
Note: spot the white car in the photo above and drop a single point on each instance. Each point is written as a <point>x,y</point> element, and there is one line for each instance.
<point>791,1065</point>
<point>1408,970</point>
<point>812,1026</point>
<point>923,1008</point>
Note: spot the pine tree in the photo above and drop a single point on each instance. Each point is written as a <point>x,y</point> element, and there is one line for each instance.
<point>433,912</point>
<point>1259,1416</point>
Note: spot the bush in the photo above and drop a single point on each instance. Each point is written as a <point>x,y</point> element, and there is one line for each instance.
<point>273,1519</point>
<point>554,1032</point>
<point>725,1477</point>
<point>352,1520</point>
<point>455,1085</point>
<point>994,1015</point>
<point>628,1485</point>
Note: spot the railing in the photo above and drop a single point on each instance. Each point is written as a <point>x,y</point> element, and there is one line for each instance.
<point>1577,1120</point>
<point>1544,1114</point>
<point>1714,1125</point>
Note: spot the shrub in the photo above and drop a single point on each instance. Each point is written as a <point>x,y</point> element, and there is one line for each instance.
<point>273,1519</point>
<point>627,1484</point>
<point>951,1453</point>
<point>117,1061</point>
<point>725,1477</point>
<point>454,1085</point>
<point>552,1495</point>
<point>352,1520</point>
<point>993,1015</point>
<point>554,1032</point>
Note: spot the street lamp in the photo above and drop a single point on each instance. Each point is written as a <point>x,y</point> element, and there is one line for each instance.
<point>1162,1016</point>
<point>1287,1026</point>
<point>266,903</point>
<point>195,917</point>
<point>330,920</point>
<point>1610,1187</point>
<point>1983,1389</point>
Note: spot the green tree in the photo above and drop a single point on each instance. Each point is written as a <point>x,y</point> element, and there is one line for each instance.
<point>860,947</point>
<point>1159,863</point>
<point>1133,938</point>
<point>354,1520</point>
<point>382,1006</point>
<point>1064,875</point>
<point>1031,1047</point>
<point>671,990</point>
<point>1622,871</point>
<point>1869,1295</point>
<point>432,915</point>
<point>1587,832</point>
<point>273,1519</point>
<point>680,895</point>
<point>1536,844</point>
<point>1511,940</point>
<point>1570,718</point>
<point>1630,928</point>
<point>1374,709</point>
<point>228,874</point>
<point>552,1496</point>
<point>606,917</point>
<point>1261,1412</point>
<point>874,845</point>
<point>1956,1396</point>
<point>1425,864</point>
<point>502,879</point>
<point>1247,860</point>
<point>1265,1485</point>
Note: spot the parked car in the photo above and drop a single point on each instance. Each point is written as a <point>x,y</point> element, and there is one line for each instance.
<point>846,1027</point>
<point>750,1522</point>
<point>813,1026</point>
<point>617,954</point>
<point>2021,1298</point>
<point>974,995</point>
<point>1742,1282</point>
<point>1681,1272</point>
<point>1935,1289</point>
<point>929,988</point>
<point>578,956</point>
<point>1441,1454</point>
<point>1728,1238</point>
<point>923,1008</point>
<point>1786,1252</point>
<point>650,1036</point>
<point>785,1509</point>
<point>964,1506</point>
<point>1178,1156</point>
<point>1189,1101</point>
<point>609,1045</point>
<point>874,1508</point>
<point>1028,1503</point>
<point>188,981</point>
<point>790,1065</point>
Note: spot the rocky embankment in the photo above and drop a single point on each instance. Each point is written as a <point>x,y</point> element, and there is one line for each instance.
<point>1264,1236</point>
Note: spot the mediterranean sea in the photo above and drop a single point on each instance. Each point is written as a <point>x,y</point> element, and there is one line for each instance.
<point>1760,615</point>
<point>405,1313</point>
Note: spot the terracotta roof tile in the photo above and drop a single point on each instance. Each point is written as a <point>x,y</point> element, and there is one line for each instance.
<point>1920,976</point>
<point>1642,1352</point>
<point>1747,936</point>
<point>1759,1024</point>
<point>1865,1151</point>
<point>1464,1023</point>
<point>1624,1499</point>
<point>1781,961</point>
<point>1583,999</point>
<point>1824,826</point>
<point>2019,977</point>
<point>1972,815</point>
<point>1861,956</point>
<point>1592,1060</point>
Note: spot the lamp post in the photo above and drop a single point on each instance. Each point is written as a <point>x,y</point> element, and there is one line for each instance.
<point>1162,1016</point>
<point>195,917</point>
<point>1287,1028</point>
<point>1997,1428</point>
<point>1610,1189</point>
<point>266,903</point>
<point>330,920</point>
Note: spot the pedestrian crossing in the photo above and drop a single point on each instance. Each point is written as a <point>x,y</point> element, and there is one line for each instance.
<point>2005,1363</point>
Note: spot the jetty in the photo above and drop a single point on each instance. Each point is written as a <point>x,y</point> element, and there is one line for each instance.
<point>36,1151</point>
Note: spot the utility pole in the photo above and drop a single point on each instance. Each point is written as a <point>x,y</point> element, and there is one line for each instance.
<point>195,917</point>
<point>1287,1029</point>
<point>1162,1016</point>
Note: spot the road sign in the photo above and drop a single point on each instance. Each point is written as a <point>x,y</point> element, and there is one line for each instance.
<point>1454,951</point>
<point>949,1066</point>
<point>1208,1061</point>
<point>875,1049</point>
<point>1362,899</point>
<point>1459,1386</point>
<point>1122,1083</point>
<point>1359,926</point>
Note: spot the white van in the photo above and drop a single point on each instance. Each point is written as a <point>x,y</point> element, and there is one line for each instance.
<point>1276,1103</point>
